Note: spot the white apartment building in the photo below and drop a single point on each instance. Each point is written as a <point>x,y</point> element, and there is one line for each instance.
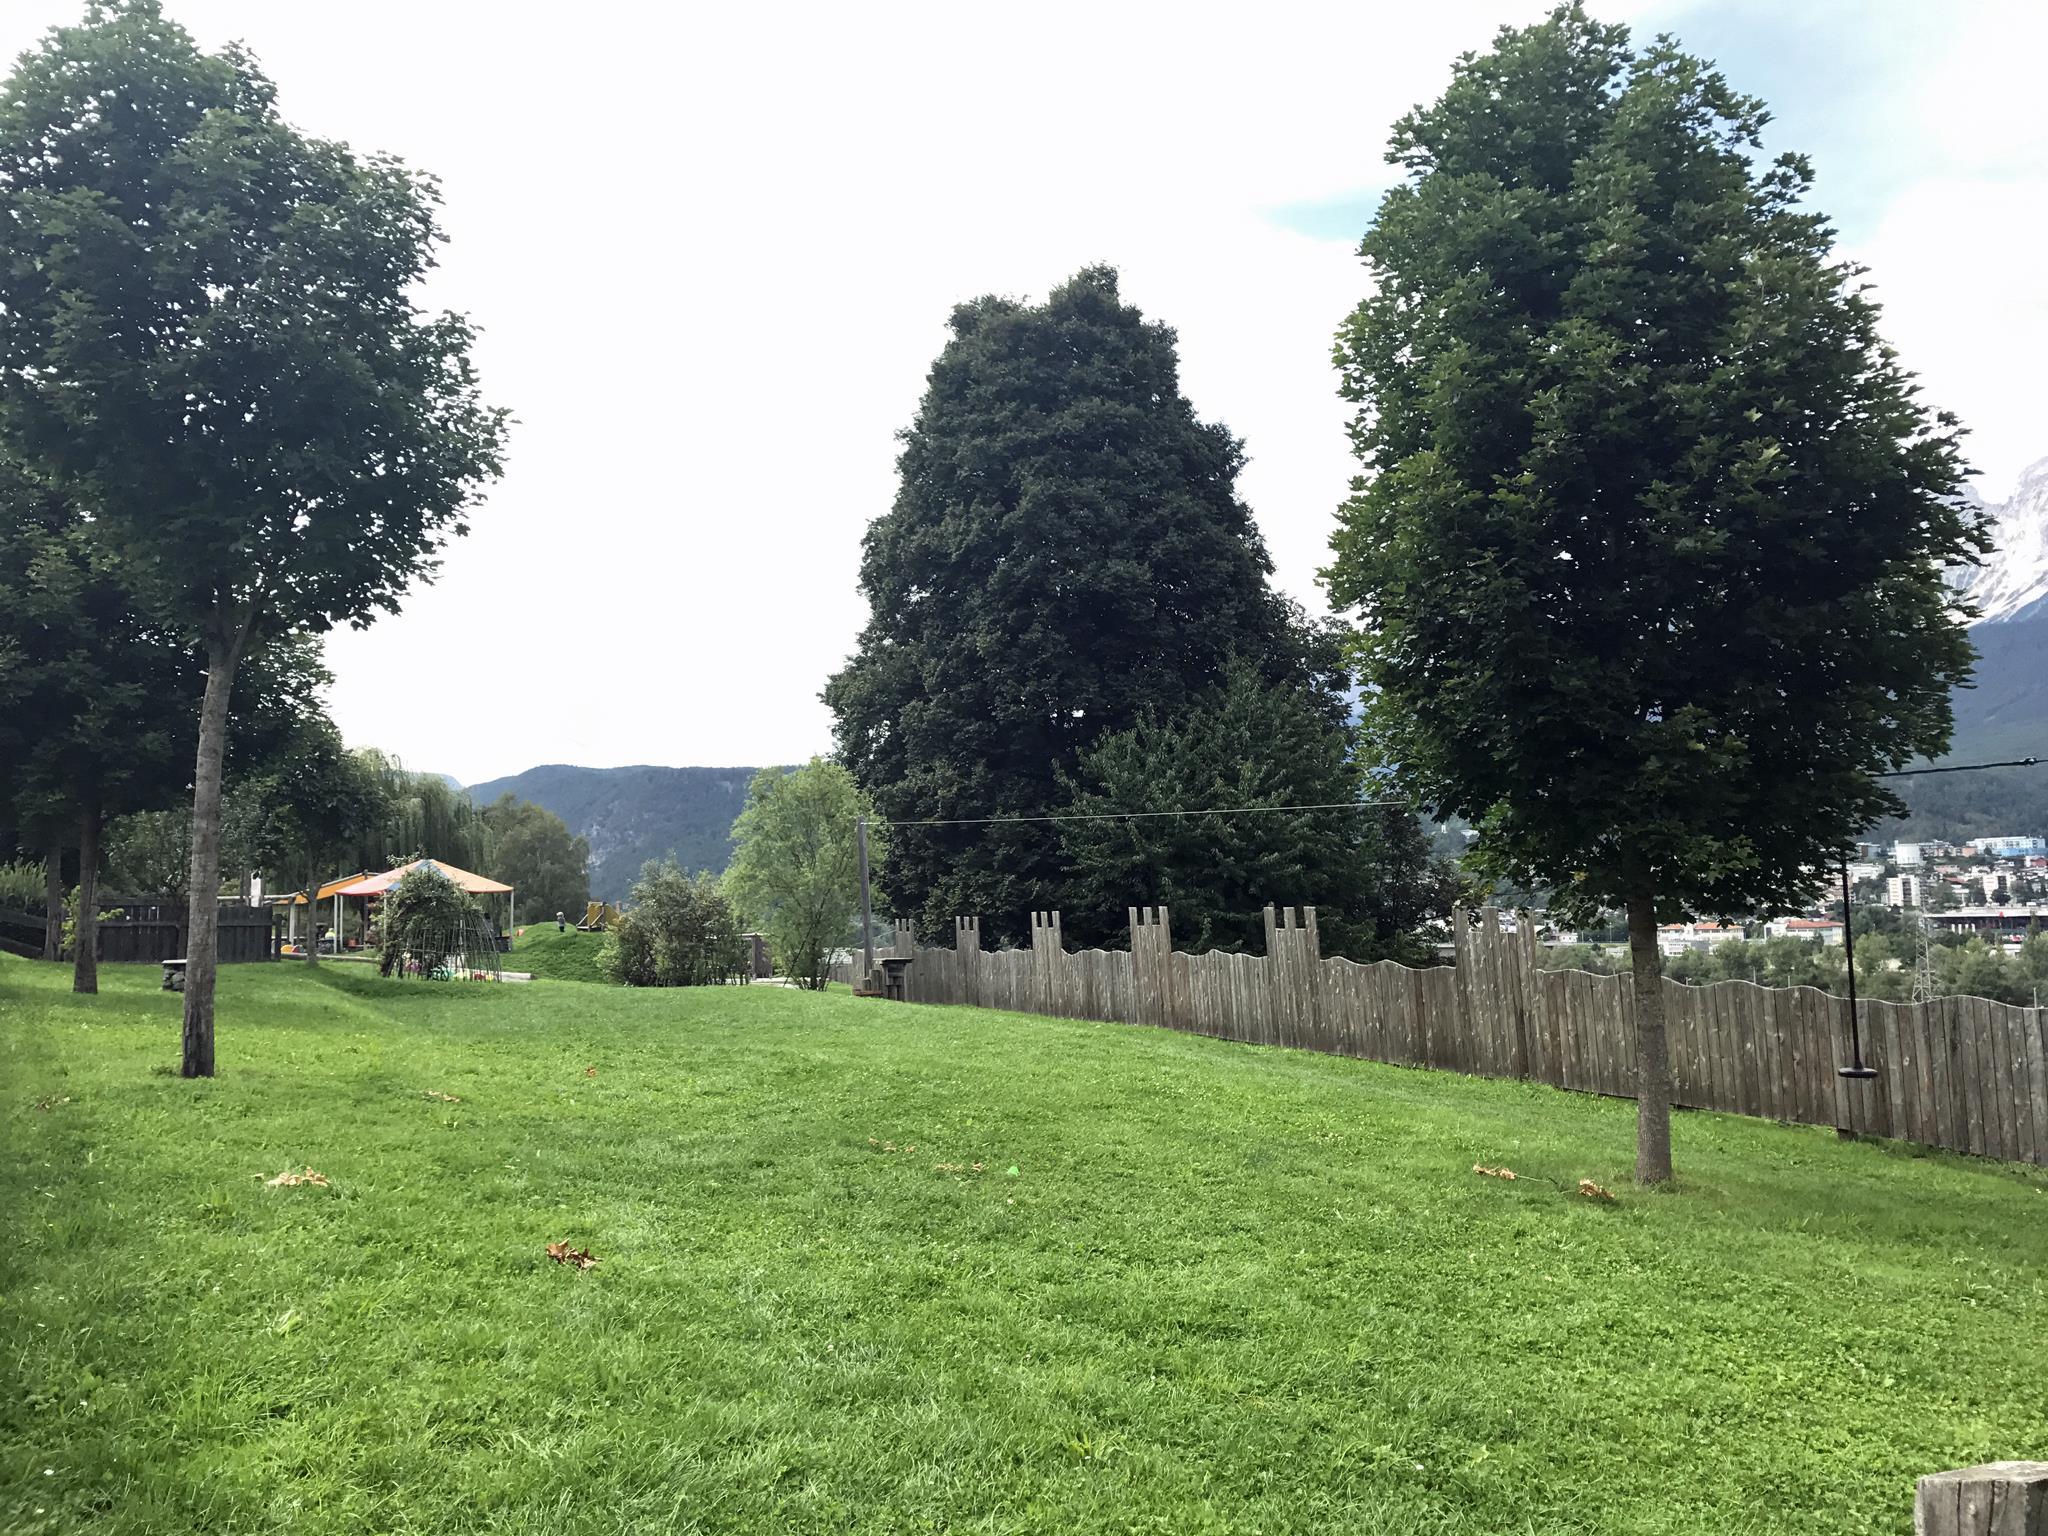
<point>1902,891</point>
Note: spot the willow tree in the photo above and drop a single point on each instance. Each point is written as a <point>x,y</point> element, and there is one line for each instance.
<point>209,336</point>
<point>1648,549</point>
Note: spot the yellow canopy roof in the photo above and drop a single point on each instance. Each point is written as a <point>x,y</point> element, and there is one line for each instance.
<point>298,898</point>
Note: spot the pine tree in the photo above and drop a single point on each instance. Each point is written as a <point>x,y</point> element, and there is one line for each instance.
<point>1648,551</point>
<point>1066,553</point>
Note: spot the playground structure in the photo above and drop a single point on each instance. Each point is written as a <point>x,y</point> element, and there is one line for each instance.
<point>599,917</point>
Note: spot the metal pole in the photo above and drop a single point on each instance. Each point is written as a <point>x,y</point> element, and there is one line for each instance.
<point>867,914</point>
<point>1856,1068</point>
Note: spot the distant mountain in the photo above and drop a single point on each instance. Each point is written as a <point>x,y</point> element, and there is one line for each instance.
<point>632,815</point>
<point>2012,583</point>
<point>2004,714</point>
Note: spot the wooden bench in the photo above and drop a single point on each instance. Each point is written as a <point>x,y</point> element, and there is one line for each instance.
<point>174,975</point>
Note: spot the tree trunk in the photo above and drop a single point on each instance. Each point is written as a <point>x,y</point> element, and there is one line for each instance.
<point>1653,1054</point>
<point>202,928</point>
<point>85,928</point>
<point>309,941</point>
<point>53,903</point>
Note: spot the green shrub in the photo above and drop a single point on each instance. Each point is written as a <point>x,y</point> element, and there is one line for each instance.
<point>675,932</point>
<point>21,887</point>
<point>426,917</point>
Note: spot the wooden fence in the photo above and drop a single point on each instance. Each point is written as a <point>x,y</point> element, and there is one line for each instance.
<point>1961,1072</point>
<point>152,928</point>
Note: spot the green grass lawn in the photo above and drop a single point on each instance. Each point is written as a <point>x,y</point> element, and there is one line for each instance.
<point>1225,1289</point>
<point>555,955</point>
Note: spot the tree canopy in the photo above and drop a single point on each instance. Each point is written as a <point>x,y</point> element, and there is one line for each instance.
<point>795,866</point>
<point>208,335</point>
<point>1647,553</point>
<point>1067,553</point>
<point>534,851</point>
<point>1251,743</point>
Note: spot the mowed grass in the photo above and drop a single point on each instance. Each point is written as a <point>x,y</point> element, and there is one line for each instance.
<point>1226,1289</point>
<point>556,955</point>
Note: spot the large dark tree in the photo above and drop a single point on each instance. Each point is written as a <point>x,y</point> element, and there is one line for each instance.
<point>1067,552</point>
<point>208,335</point>
<point>1648,549</point>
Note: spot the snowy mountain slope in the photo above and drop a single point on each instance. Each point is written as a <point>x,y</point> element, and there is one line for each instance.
<point>2012,583</point>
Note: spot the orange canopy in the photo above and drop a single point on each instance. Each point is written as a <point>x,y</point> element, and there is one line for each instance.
<point>377,885</point>
<point>331,888</point>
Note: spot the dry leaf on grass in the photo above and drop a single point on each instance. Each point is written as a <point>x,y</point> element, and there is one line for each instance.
<point>1493,1173</point>
<point>562,1253</point>
<point>444,1098</point>
<point>1593,1191</point>
<point>590,1071</point>
<point>292,1179</point>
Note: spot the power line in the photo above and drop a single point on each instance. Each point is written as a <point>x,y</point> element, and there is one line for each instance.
<point>1909,773</point>
<point>1221,810</point>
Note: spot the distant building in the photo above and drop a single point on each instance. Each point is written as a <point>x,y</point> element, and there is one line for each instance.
<point>1824,929</point>
<point>2007,925</point>
<point>1902,891</point>
<point>2010,847</point>
<point>1994,885</point>
<point>1906,855</point>
<point>1683,938</point>
<point>1872,869</point>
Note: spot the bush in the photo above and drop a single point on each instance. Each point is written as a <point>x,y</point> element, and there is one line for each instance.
<point>674,932</point>
<point>427,919</point>
<point>21,887</point>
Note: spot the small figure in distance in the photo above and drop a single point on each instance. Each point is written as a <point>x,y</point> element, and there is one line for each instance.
<point>561,924</point>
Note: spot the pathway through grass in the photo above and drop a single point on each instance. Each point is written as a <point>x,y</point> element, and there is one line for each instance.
<point>1225,1289</point>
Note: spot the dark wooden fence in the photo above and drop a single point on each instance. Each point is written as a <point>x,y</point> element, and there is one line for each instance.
<point>152,928</point>
<point>1961,1072</point>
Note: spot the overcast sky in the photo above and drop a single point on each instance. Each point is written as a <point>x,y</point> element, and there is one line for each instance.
<point>712,250</point>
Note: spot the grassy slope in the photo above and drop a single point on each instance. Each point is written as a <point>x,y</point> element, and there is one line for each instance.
<point>543,951</point>
<point>1228,1289</point>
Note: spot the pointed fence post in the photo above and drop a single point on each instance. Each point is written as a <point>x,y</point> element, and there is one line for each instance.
<point>1048,964</point>
<point>967,950</point>
<point>1151,965</point>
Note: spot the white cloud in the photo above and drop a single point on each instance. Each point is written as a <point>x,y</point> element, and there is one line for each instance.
<point>713,250</point>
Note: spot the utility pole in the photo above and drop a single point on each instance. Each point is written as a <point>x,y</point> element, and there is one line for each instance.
<point>867,914</point>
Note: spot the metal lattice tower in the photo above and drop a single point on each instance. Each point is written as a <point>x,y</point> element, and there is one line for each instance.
<point>1925,988</point>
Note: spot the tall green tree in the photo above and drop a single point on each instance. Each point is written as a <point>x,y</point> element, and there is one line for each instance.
<point>1651,533</point>
<point>1648,549</point>
<point>95,699</point>
<point>1066,553</point>
<point>535,853</point>
<point>208,334</point>
<point>1367,871</point>
<point>795,866</point>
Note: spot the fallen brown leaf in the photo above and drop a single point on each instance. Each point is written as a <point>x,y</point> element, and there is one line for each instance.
<point>1593,1191</point>
<point>292,1180</point>
<point>1493,1173</point>
<point>445,1098</point>
<point>562,1253</point>
<point>590,1071</point>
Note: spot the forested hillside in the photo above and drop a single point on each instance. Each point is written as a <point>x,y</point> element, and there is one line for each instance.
<point>631,815</point>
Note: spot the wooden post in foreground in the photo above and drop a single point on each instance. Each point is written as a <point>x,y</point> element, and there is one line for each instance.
<point>2001,1498</point>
